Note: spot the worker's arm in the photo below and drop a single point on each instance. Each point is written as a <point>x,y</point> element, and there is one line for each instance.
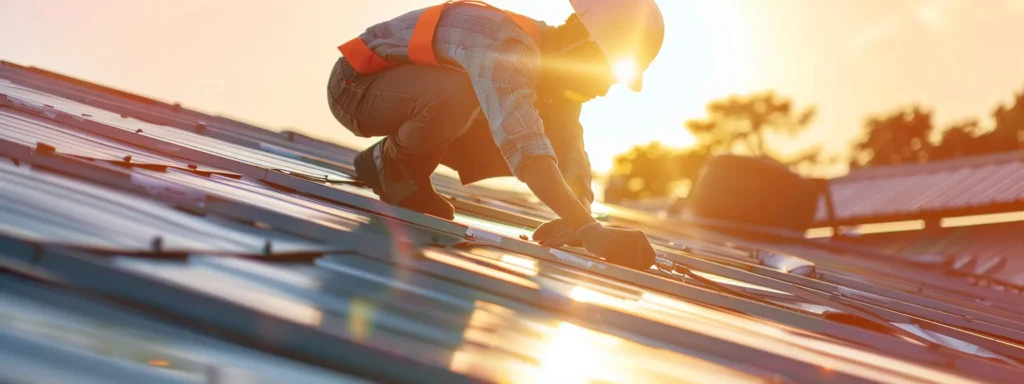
<point>625,247</point>
<point>544,179</point>
<point>561,118</point>
<point>503,75</point>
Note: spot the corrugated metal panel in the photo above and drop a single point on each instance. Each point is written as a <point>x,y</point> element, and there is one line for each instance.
<point>905,191</point>
<point>250,296</point>
<point>57,210</point>
<point>443,303</point>
<point>981,244</point>
<point>465,333</point>
<point>519,343</point>
<point>21,127</point>
<point>222,149</point>
<point>120,345</point>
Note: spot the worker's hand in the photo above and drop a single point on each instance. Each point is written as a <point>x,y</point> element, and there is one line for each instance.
<point>556,233</point>
<point>626,247</point>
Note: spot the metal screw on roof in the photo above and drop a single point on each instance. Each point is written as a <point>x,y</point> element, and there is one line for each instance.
<point>138,130</point>
<point>157,244</point>
<point>127,158</point>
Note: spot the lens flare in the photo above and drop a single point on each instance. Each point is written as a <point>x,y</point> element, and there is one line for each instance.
<point>625,70</point>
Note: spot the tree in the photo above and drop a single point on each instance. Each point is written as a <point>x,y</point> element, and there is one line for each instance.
<point>960,140</point>
<point>651,170</point>
<point>738,124</point>
<point>1008,134</point>
<point>900,137</point>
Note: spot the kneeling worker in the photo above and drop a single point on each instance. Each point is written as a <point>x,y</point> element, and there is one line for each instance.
<point>491,93</point>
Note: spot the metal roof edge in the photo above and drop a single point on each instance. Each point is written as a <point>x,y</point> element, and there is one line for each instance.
<point>929,167</point>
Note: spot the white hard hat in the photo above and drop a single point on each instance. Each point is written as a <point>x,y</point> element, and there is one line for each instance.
<point>624,29</point>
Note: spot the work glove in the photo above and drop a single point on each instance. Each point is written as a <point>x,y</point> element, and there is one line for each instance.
<point>556,233</point>
<point>626,247</point>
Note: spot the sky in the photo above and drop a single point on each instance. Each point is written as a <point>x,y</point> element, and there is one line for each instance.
<point>267,62</point>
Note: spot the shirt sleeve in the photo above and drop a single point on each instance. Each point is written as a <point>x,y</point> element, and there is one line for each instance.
<point>562,124</point>
<point>503,75</point>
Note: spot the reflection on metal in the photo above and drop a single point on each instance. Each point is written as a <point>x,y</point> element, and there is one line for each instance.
<point>472,267</point>
<point>521,264</point>
<point>564,352</point>
<point>737,283</point>
<point>308,278</point>
<point>484,236</point>
<point>236,290</point>
<point>477,224</point>
<point>786,263</point>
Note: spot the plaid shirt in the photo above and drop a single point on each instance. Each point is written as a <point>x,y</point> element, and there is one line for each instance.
<point>502,62</point>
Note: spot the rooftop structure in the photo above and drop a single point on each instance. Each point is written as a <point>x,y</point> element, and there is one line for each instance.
<point>141,241</point>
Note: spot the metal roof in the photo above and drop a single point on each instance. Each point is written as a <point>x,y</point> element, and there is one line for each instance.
<point>966,186</point>
<point>222,252</point>
<point>989,252</point>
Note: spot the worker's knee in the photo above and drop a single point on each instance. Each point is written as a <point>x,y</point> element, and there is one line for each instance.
<point>343,99</point>
<point>346,118</point>
<point>423,108</point>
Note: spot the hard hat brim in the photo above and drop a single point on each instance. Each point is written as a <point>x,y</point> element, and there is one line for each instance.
<point>637,83</point>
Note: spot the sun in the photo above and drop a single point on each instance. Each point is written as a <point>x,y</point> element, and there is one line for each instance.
<point>625,70</point>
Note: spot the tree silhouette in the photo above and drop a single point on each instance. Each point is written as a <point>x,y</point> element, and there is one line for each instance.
<point>1008,134</point>
<point>738,124</point>
<point>651,170</point>
<point>960,140</point>
<point>901,137</point>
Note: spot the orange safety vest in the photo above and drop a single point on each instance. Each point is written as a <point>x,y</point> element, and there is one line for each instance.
<point>421,45</point>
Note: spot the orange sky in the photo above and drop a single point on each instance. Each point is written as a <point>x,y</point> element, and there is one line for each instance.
<point>267,62</point>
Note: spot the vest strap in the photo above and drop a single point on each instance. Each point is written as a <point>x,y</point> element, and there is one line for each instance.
<point>421,44</point>
<point>362,58</point>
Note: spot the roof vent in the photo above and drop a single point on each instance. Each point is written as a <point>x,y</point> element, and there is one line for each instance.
<point>755,191</point>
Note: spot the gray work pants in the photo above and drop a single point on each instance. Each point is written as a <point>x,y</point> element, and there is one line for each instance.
<point>421,110</point>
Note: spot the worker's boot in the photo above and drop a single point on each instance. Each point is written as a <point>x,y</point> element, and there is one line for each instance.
<point>405,186</point>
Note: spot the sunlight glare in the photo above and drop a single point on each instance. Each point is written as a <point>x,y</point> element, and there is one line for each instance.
<point>575,355</point>
<point>625,70</point>
<point>599,209</point>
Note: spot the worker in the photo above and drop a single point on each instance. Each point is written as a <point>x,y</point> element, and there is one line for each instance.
<point>492,93</point>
